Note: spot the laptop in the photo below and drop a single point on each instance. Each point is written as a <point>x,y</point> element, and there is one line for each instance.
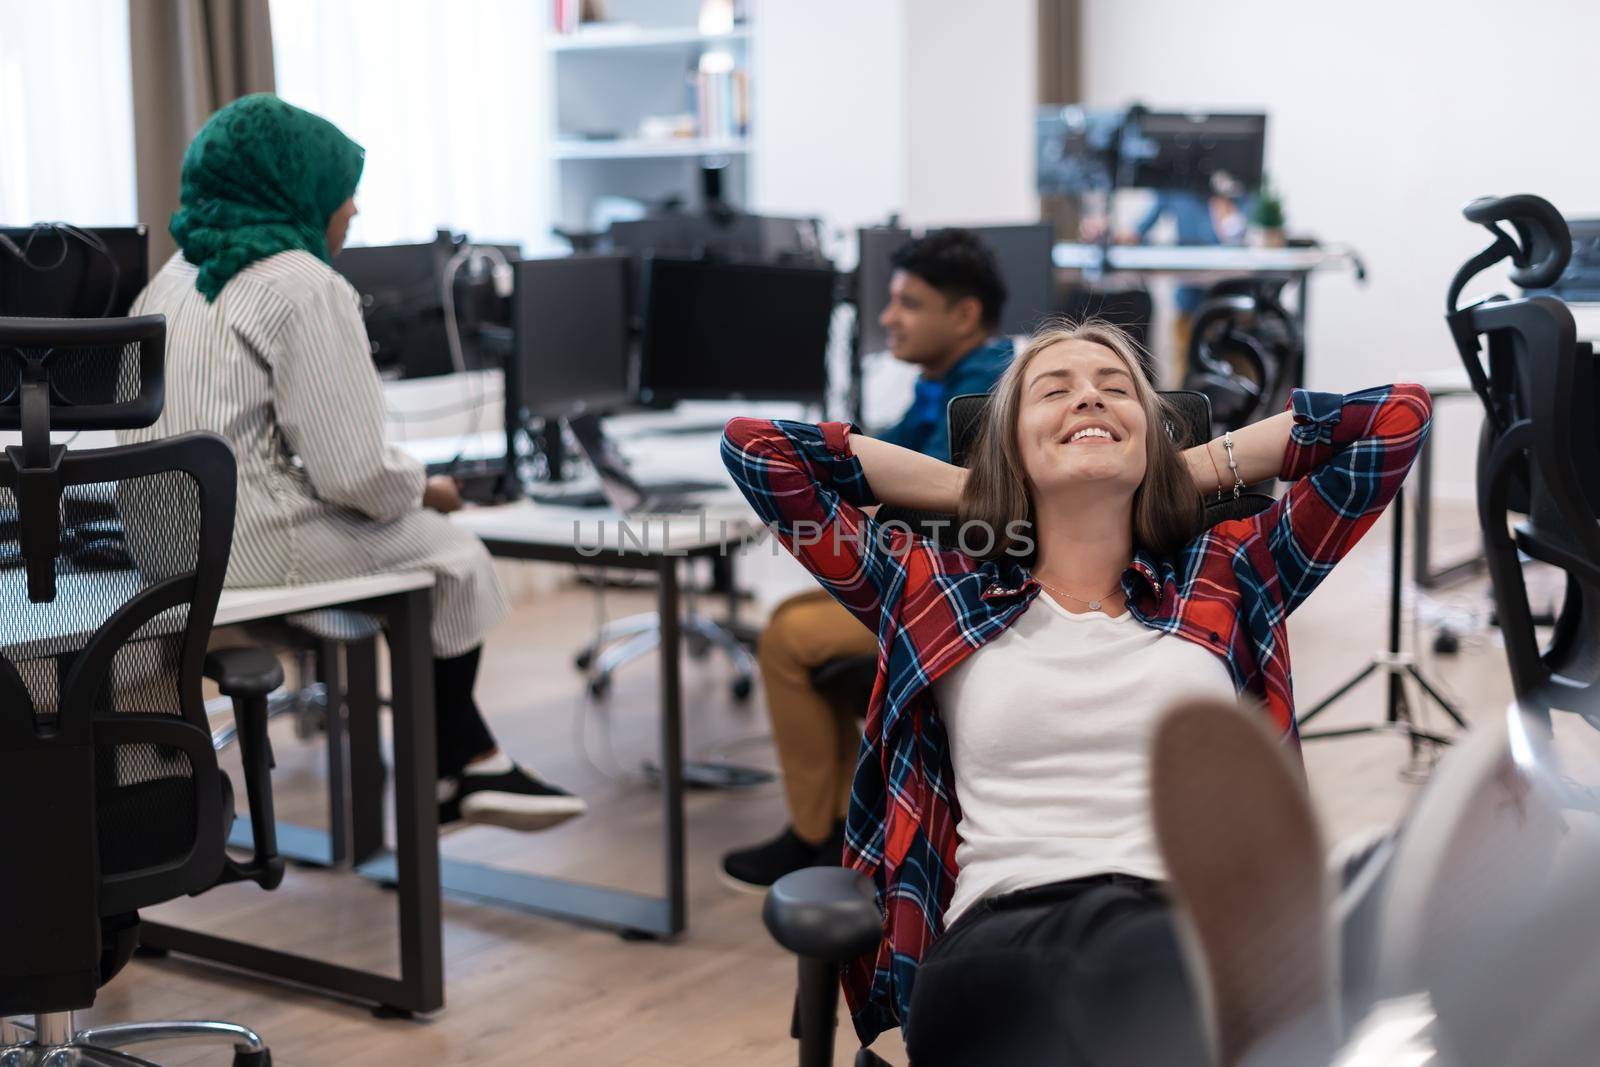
<point>621,490</point>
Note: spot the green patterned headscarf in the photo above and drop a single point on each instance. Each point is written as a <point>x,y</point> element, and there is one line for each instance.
<point>261,177</point>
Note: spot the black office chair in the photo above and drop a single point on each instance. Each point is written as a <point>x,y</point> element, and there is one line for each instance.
<point>1132,310</point>
<point>828,916</point>
<point>1538,456</point>
<point>111,799</point>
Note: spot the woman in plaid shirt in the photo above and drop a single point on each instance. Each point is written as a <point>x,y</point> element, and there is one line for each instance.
<point>1004,794</point>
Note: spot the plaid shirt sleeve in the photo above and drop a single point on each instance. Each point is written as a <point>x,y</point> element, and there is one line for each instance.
<point>808,488</point>
<point>1347,458</point>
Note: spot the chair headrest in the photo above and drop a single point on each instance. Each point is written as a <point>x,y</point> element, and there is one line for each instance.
<point>97,374</point>
<point>69,374</point>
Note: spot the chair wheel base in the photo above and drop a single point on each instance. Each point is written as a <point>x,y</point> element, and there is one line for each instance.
<point>150,952</point>
<point>244,1057</point>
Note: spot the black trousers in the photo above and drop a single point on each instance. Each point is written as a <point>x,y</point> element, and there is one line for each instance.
<point>461,732</point>
<point>1086,971</point>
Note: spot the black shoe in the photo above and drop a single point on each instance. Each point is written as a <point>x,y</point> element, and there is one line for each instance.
<point>514,799</point>
<point>755,869</point>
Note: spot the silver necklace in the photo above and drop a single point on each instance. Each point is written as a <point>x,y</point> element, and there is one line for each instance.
<point>1094,605</point>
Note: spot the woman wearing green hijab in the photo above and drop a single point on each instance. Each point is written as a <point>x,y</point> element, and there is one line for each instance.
<point>266,346</point>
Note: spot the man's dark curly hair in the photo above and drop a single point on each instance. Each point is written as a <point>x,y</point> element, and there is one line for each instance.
<point>958,264</point>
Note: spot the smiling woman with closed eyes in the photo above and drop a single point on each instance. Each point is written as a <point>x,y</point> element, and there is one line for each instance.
<point>1001,803</point>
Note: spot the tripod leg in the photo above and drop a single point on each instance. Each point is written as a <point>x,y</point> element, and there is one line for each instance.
<point>1449,708</point>
<point>1334,696</point>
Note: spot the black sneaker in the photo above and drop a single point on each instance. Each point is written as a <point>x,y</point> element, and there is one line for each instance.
<point>753,870</point>
<point>514,799</point>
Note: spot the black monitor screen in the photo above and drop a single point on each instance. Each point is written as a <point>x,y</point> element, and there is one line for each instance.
<point>56,272</point>
<point>402,303</point>
<point>1180,150</point>
<point>715,331</point>
<point>1024,256</point>
<point>570,320</point>
<point>874,267</point>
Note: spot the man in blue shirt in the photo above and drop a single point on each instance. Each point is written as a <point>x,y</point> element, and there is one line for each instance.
<point>945,298</point>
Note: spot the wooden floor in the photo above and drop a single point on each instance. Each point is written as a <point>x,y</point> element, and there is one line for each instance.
<point>526,990</point>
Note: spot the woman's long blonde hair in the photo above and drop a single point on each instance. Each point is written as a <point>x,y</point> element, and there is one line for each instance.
<point>1167,511</point>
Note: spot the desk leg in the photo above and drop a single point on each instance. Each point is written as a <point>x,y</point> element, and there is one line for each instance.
<point>414,869</point>
<point>1422,548</point>
<point>366,749</point>
<point>1302,312</point>
<point>330,672</point>
<point>671,683</point>
<point>416,799</point>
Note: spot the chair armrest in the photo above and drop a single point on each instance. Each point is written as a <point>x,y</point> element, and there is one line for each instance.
<point>825,913</point>
<point>243,672</point>
<point>246,676</point>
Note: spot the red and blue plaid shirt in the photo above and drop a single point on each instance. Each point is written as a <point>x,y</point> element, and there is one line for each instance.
<point>1230,590</point>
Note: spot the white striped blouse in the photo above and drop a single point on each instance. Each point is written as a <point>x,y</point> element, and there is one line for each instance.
<point>279,364</point>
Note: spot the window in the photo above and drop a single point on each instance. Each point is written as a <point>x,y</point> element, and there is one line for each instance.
<point>66,113</point>
<point>447,99</point>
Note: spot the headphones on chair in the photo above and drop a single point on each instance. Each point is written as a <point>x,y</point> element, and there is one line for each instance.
<point>1243,345</point>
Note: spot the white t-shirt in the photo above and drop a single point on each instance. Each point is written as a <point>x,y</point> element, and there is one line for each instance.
<point>1050,727</point>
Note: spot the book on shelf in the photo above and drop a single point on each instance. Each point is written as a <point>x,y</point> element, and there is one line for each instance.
<point>569,15</point>
<point>721,102</point>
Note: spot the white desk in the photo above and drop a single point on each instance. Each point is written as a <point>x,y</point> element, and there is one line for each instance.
<point>1201,259</point>
<point>250,605</point>
<point>1192,263</point>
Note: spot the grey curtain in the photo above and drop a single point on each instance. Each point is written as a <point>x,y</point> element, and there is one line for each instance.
<point>1060,82</point>
<point>190,57</point>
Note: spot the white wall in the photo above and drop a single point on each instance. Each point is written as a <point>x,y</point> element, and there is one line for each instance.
<point>829,105</point>
<point>921,107</point>
<point>1386,117</point>
<point>971,93</point>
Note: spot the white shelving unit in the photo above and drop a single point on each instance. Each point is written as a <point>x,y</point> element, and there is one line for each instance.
<point>608,78</point>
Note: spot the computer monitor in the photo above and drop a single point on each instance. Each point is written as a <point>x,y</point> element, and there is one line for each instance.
<point>738,237</point>
<point>402,301</point>
<point>1079,150</point>
<point>715,331</point>
<point>876,246</point>
<point>1194,151</point>
<point>1025,256</point>
<point>570,323</point>
<point>55,271</point>
<point>686,235</point>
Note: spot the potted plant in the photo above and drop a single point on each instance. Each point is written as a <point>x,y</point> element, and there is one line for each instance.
<point>1267,217</point>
